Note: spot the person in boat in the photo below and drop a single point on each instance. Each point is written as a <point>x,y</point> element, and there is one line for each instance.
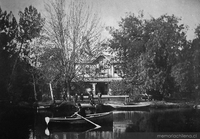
<point>99,97</point>
<point>81,96</point>
<point>91,98</point>
<point>98,108</point>
<point>64,97</point>
<point>75,98</point>
<point>81,111</point>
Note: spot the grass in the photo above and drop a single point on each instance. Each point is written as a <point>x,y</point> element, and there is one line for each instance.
<point>164,104</point>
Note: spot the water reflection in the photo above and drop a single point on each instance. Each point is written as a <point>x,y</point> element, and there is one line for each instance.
<point>127,124</point>
<point>16,123</point>
<point>88,135</point>
<point>171,120</point>
<point>174,120</point>
<point>124,120</point>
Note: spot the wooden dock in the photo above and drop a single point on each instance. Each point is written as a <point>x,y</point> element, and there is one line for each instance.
<point>110,96</point>
<point>105,98</point>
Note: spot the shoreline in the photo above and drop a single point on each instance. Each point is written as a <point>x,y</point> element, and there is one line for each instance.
<point>164,104</point>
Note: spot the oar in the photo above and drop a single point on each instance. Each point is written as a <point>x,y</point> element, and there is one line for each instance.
<point>47,119</point>
<point>97,126</point>
<point>73,114</point>
<point>47,132</point>
<point>91,129</point>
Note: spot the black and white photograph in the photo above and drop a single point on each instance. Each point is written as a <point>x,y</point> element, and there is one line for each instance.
<point>99,69</point>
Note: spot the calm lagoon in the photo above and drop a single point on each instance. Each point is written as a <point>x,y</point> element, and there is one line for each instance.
<point>155,123</point>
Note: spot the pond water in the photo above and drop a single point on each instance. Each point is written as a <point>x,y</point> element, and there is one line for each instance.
<point>127,124</point>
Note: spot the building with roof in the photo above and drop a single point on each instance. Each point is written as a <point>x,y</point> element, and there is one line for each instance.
<point>99,72</point>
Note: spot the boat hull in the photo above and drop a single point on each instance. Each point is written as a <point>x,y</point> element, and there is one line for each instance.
<point>102,119</point>
<point>129,106</point>
<point>61,109</point>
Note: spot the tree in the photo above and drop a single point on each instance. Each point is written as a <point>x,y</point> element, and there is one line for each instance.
<point>186,72</point>
<point>34,51</point>
<point>196,62</point>
<point>148,49</point>
<point>128,45</point>
<point>73,35</point>
<point>8,30</point>
<point>15,51</point>
<point>164,46</point>
<point>30,27</point>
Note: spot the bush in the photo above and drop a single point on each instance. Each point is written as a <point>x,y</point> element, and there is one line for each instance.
<point>118,87</point>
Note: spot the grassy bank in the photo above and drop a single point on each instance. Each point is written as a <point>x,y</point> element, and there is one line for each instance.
<point>164,104</point>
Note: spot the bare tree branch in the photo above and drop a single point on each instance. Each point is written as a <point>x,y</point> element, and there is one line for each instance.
<point>75,29</point>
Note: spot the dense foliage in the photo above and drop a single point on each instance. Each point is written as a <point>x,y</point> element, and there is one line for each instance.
<point>155,56</point>
<point>8,30</point>
<point>15,38</point>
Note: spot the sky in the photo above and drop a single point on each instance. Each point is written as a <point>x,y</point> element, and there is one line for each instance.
<point>111,11</point>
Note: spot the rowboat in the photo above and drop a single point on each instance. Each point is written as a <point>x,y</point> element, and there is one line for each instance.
<point>98,108</point>
<point>58,109</point>
<point>136,106</point>
<point>102,119</point>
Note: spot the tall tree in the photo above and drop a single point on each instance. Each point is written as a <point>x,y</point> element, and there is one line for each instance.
<point>148,49</point>
<point>167,39</point>
<point>196,62</point>
<point>15,50</point>
<point>73,31</point>
<point>187,72</point>
<point>8,30</point>
<point>30,27</point>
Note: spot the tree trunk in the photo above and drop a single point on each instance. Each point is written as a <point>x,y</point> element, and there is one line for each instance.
<point>34,88</point>
<point>51,91</point>
<point>68,88</point>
